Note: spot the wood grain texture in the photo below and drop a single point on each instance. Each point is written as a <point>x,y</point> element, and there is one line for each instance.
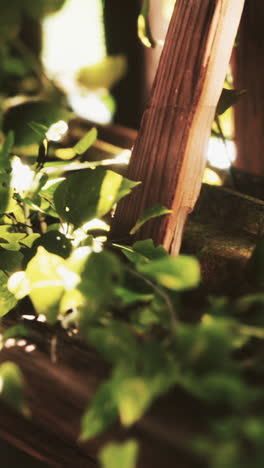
<point>248,70</point>
<point>169,154</point>
<point>57,395</point>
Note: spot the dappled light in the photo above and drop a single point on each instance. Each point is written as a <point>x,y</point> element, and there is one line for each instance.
<point>57,130</point>
<point>64,55</point>
<point>22,176</point>
<point>221,154</point>
<point>211,177</point>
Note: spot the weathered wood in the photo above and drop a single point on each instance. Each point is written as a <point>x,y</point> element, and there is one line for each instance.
<point>58,394</point>
<point>169,154</point>
<point>248,70</point>
<point>223,231</point>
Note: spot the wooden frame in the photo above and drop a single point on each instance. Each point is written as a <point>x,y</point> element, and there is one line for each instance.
<point>170,153</point>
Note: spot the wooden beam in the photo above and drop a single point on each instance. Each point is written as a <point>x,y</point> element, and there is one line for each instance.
<point>170,152</point>
<point>248,69</point>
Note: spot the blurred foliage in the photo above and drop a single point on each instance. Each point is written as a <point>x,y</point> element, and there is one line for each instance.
<point>128,301</point>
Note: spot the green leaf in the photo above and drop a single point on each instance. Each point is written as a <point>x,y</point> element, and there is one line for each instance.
<point>125,188</point>
<point>144,251</point>
<point>245,302</point>
<point>29,240</point>
<point>115,342</point>
<point>153,212</point>
<point>48,190</point>
<point>5,172</point>
<point>129,297</point>
<point>10,261</point>
<point>39,129</point>
<point>134,396</point>
<point>10,19</point>
<point>7,299</point>
<point>222,387</point>
<point>10,240</point>
<point>18,117</point>
<point>104,74</point>
<point>176,273</point>
<point>17,331</point>
<point>101,412</point>
<point>101,273</point>
<point>137,384</point>
<point>48,276</point>
<point>5,162</point>
<point>144,32</point>
<point>27,201</point>
<point>54,242</point>
<point>90,194</point>
<point>42,7</point>
<point>228,98</point>
<point>12,387</point>
<point>149,251</point>
<point>119,455</point>
<point>87,141</point>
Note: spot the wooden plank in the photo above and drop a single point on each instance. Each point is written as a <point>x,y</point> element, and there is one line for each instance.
<point>248,70</point>
<point>59,393</point>
<point>169,154</point>
<point>223,231</point>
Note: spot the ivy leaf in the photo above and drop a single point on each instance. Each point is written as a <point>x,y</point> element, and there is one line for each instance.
<point>101,412</point>
<point>90,194</point>
<point>7,299</point>
<point>87,141</point>
<point>153,212</point>
<point>119,455</point>
<point>144,32</point>
<point>12,387</point>
<point>176,273</point>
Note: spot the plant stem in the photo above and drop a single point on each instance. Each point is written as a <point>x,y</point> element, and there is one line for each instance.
<point>161,293</point>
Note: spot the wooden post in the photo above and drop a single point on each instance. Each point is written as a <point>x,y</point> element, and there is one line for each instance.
<point>248,69</point>
<point>170,152</point>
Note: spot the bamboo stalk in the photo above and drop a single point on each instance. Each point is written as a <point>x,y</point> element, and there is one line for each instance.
<point>170,153</point>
